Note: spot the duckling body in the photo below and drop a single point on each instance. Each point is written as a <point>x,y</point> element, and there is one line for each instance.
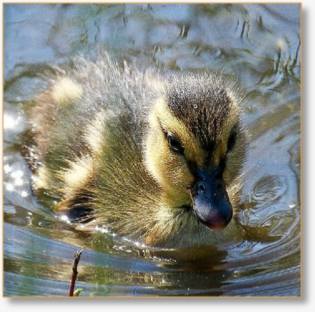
<point>153,159</point>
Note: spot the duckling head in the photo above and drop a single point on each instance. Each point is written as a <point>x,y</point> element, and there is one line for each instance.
<point>195,146</point>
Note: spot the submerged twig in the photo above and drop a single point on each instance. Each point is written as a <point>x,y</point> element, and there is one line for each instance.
<point>74,274</point>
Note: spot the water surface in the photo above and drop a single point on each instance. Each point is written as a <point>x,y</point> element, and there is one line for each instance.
<point>257,44</point>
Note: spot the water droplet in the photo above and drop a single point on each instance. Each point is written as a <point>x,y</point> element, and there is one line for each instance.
<point>17,174</point>
<point>24,193</point>
<point>18,182</point>
<point>10,122</point>
<point>7,168</point>
<point>9,187</point>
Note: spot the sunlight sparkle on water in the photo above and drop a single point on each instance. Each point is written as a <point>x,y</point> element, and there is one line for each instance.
<point>7,168</point>
<point>10,122</point>
<point>9,187</point>
<point>24,193</point>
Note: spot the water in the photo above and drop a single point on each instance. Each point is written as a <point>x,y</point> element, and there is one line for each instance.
<point>260,46</point>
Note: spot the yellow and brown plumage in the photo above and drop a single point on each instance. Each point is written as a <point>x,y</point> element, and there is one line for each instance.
<point>155,159</point>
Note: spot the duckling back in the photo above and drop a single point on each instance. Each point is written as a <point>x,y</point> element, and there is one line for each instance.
<point>83,121</point>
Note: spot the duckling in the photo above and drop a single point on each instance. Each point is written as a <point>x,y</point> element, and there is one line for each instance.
<point>152,158</point>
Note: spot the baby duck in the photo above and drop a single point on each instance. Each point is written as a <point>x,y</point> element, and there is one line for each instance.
<point>154,159</point>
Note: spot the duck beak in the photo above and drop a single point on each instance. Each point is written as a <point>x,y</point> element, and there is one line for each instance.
<point>210,199</point>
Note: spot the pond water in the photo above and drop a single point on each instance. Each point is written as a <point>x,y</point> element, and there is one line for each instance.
<point>257,44</point>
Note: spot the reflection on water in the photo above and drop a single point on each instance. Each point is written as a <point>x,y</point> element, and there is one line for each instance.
<point>260,46</point>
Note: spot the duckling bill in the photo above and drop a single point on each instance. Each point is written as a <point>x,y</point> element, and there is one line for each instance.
<point>151,158</point>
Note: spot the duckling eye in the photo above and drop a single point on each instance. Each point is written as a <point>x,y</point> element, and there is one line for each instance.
<point>232,140</point>
<point>174,144</point>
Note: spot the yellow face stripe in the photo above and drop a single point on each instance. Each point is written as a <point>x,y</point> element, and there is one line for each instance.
<point>169,122</point>
<point>193,149</point>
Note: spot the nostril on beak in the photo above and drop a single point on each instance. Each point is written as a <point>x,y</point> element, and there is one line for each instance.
<point>202,188</point>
